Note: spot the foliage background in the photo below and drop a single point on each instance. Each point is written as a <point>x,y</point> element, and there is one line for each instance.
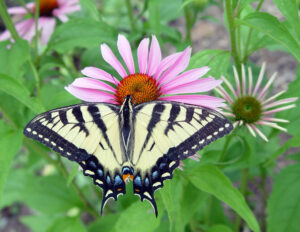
<point>40,192</point>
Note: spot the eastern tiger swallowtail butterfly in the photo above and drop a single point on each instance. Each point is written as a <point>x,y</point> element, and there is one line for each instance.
<point>142,142</point>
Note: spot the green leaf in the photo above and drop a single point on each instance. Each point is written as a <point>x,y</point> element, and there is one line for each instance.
<point>210,179</point>
<point>284,203</point>
<point>15,89</point>
<point>67,224</point>
<point>39,223</point>
<point>90,9</point>
<point>217,60</point>
<point>269,25</point>
<point>292,142</point>
<point>84,33</point>
<point>219,228</point>
<point>49,195</point>
<point>104,224</point>
<point>13,58</point>
<point>138,217</point>
<point>10,143</point>
<point>289,9</point>
<point>72,175</point>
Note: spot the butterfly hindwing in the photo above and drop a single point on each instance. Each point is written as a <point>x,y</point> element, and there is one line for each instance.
<point>165,133</point>
<point>88,134</point>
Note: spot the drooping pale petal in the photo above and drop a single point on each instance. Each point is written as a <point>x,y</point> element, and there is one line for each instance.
<point>260,77</point>
<point>89,83</point>
<point>271,124</point>
<point>280,102</point>
<point>250,80</point>
<point>99,74</point>
<point>111,59</point>
<point>280,109</point>
<point>243,80</point>
<point>90,95</point>
<point>264,90</point>
<point>202,85</point>
<point>224,94</point>
<point>251,130</point>
<point>154,56</point>
<point>202,100</point>
<point>186,77</point>
<point>272,119</point>
<point>142,54</point>
<point>237,82</point>
<point>229,86</point>
<point>47,26</point>
<point>166,63</point>
<point>259,133</point>
<point>125,51</point>
<point>179,66</point>
<point>273,97</point>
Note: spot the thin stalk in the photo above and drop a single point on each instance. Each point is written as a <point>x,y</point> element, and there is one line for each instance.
<point>231,25</point>
<point>130,14</point>
<point>7,21</point>
<point>62,169</point>
<point>227,142</point>
<point>36,21</point>
<point>188,22</point>
<point>36,77</point>
<point>264,196</point>
<point>243,190</point>
<point>250,34</point>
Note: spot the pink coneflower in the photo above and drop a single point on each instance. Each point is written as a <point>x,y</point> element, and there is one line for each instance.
<point>48,10</point>
<point>251,106</point>
<point>154,79</point>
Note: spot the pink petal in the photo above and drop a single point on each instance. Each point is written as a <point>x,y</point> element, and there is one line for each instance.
<point>125,51</point>
<point>272,119</point>
<point>271,124</point>
<point>5,35</point>
<point>260,77</point>
<point>47,26</point>
<point>154,56</point>
<point>89,83</point>
<point>166,63</point>
<point>229,86</point>
<point>202,100</point>
<point>110,58</point>
<point>18,10</point>
<point>273,97</point>
<point>99,74</point>
<point>187,76</point>
<point>90,95</point>
<point>179,66</point>
<point>26,30</point>
<point>196,86</point>
<point>142,54</point>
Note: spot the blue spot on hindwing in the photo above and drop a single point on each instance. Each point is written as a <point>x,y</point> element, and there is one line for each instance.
<point>100,172</point>
<point>108,179</point>
<point>154,174</point>
<point>147,181</point>
<point>138,181</point>
<point>118,180</point>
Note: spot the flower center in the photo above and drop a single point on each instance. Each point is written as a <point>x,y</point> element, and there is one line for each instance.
<point>141,87</point>
<point>47,6</point>
<point>247,108</point>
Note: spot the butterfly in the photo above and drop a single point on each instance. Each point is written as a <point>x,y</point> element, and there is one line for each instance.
<point>144,142</point>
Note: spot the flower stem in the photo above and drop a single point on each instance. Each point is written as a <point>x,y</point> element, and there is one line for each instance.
<point>231,25</point>
<point>245,58</point>
<point>36,21</point>
<point>188,22</point>
<point>36,77</point>
<point>130,14</point>
<point>7,21</point>
<point>243,189</point>
<point>227,142</point>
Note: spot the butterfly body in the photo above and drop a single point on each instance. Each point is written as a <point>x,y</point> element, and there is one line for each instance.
<point>144,143</point>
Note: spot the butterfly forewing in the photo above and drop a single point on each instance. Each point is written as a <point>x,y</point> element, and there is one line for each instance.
<point>165,133</point>
<point>88,134</point>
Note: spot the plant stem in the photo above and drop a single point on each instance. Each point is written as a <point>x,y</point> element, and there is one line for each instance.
<point>227,141</point>
<point>36,77</point>
<point>188,23</point>
<point>246,52</point>
<point>243,189</point>
<point>264,196</point>
<point>62,169</point>
<point>208,210</point>
<point>36,21</point>
<point>22,3</point>
<point>130,14</point>
<point>7,21</point>
<point>231,25</point>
